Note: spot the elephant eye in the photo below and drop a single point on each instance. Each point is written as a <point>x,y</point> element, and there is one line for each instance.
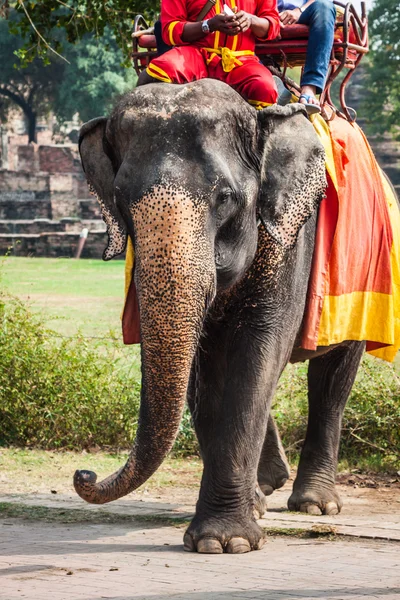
<point>224,205</point>
<point>224,197</point>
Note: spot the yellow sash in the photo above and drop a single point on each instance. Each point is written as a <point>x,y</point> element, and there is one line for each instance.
<point>229,57</point>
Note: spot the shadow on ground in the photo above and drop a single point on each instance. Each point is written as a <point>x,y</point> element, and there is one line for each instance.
<point>265,594</point>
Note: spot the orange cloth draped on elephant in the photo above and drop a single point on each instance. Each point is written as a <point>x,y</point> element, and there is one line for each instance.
<point>227,58</point>
<point>354,288</point>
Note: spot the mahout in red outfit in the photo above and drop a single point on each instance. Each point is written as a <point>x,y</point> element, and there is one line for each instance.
<point>229,58</point>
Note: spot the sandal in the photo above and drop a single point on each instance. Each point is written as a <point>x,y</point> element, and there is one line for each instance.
<point>312,109</point>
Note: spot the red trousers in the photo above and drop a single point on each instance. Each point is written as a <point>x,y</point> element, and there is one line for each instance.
<point>248,76</point>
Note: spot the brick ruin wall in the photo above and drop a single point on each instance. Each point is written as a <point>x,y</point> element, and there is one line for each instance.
<point>45,203</point>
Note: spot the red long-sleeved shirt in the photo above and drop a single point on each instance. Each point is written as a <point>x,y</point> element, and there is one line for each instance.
<point>176,13</point>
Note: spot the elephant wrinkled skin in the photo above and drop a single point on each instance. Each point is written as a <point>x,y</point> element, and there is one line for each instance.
<point>188,172</point>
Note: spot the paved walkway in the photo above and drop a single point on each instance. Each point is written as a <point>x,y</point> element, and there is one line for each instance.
<point>59,562</point>
<point>145,561</point>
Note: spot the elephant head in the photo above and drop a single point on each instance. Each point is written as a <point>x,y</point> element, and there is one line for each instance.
<point>187,171</point>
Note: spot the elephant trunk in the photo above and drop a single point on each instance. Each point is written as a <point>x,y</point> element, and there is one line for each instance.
<point>175,278</point>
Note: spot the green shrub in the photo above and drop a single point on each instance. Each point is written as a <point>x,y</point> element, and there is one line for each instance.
<point>290,408</point>
<point>74,393</point>
<point>60,393</point>
<point>66,393</point>
<point>371,422</point>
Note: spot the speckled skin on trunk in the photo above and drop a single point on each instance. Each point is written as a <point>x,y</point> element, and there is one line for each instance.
<point>189,172</point>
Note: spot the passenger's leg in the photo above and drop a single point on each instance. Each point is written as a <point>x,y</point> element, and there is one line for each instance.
<point>182,64</point>
<point>254,82</point>
<point>320,17</point>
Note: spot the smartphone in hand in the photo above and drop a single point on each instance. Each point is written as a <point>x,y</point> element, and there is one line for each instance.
<point>228,11</point>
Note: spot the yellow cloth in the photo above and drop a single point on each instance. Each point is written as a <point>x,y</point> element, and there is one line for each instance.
<point>129,263</point>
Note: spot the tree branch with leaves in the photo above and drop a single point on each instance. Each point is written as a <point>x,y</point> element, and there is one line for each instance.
<point>37,21</point>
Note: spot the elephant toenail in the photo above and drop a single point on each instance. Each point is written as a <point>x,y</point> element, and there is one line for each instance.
<point>261,543</point>
<point>188,543</point>
<point>209,546</point>
<point>238,545</point>
<point>266,489</point>
<point>331,508</point>
<point>310,509</point>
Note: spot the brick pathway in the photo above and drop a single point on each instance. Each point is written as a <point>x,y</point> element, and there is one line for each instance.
<point>43,561</point>
<point>144,561</point>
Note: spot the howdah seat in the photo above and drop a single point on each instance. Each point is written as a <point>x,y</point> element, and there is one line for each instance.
<point>289,50</point>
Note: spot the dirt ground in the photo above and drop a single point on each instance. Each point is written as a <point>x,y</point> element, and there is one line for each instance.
<point>54,546</point>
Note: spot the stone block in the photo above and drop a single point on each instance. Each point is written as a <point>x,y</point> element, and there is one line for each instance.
<point>16,227</point>
<point>24,181</point>
<point>53,245</point>
<point>58,159</point>
<point>64,202</point>
<point>89,208</point>
<point>26,158</point>
<point>23,205</point>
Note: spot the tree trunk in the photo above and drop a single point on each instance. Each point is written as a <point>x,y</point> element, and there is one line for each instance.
<point>26,106</point>
<point>31,118</point>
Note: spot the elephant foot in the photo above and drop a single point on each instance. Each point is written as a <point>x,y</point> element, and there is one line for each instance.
<point>316,502</point>
<point>216,537</point>
<point>273,474</point>
<point>260,506</point>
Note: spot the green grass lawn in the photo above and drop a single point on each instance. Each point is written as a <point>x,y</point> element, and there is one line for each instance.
<point>74,295</point>
<point>26,471</point>
<point>85,295</point>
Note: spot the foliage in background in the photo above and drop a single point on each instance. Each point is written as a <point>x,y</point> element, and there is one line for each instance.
<point>32,89</point>
<point>87,85</point>
<point>39,20</point>
<point>93,79</point>
<point>382,86</point>
<point>70,394</point>
<point>60,393</point>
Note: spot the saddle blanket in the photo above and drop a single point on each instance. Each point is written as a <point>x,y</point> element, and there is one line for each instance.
<point>354,288</point>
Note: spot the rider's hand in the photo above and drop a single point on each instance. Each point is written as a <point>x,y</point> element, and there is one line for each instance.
<point>225,24</point>
<point>244,20</point>
<point>290,17</point>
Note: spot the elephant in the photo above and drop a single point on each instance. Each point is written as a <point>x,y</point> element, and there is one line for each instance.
<point>220,202</point>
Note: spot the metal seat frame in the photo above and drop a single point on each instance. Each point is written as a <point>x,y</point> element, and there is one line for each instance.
<point>280,54</point>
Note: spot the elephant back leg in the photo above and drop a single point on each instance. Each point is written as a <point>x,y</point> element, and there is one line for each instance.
<point>330,379</point>
<point>273,468</point>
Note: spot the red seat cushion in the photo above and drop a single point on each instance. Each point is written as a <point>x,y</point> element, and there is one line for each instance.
<point>147,41</point>
<point>292,41</point>
<point>291,32</point>
<point>294,32</point>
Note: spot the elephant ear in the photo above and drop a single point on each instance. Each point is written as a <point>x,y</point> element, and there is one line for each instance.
<point>293,178</point>
<point>97,162</point>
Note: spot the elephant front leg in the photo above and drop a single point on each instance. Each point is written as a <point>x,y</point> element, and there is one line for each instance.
<point>330,379</point>
<point>229,408</point>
